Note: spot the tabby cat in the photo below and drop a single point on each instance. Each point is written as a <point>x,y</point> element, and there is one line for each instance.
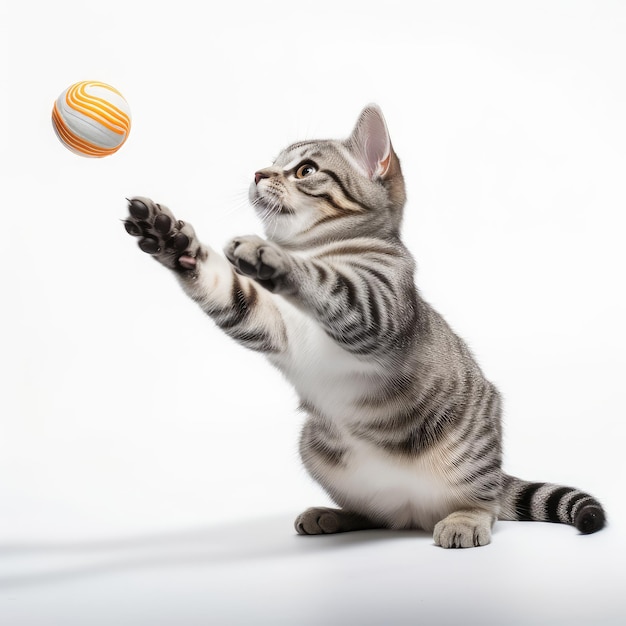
<point>402,428</point>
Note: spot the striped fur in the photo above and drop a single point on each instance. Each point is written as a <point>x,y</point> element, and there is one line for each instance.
<point>402,428</point>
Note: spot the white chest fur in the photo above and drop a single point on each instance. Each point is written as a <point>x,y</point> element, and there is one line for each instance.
<point>323,374</point>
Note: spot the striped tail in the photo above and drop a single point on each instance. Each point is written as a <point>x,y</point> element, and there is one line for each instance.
<point>523,500</point>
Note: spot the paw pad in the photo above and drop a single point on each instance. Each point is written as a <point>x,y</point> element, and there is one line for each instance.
<point>170,241</point>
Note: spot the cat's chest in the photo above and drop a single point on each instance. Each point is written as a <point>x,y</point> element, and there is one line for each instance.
<point>325,375</point>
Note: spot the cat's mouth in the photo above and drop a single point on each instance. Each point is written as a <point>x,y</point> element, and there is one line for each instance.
<point>268,203</point>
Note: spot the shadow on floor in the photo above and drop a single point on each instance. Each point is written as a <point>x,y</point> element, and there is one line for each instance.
<point>29,564</point>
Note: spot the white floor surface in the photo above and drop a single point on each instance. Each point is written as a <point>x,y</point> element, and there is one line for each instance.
<point>259,572</point>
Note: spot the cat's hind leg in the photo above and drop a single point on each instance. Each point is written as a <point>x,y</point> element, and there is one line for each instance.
<point>326,521</point>
<point>467,528</point>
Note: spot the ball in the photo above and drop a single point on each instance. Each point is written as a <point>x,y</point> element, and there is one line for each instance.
<point>91,119</point>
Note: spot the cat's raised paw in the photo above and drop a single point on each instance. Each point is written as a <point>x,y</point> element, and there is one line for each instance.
<point>258,259</point>
<point>171,241</point>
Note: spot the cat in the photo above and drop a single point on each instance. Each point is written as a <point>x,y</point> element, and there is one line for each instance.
<point>402,428</point>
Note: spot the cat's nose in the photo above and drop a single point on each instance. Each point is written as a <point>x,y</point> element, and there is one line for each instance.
<point>259,175</point>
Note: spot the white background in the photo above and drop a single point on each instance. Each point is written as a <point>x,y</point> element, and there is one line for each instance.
<point>148,465</point>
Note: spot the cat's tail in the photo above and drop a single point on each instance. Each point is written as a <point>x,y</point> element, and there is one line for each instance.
<point>523,500</point>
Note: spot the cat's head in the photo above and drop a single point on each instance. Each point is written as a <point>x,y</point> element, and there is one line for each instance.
<point>327,188</point>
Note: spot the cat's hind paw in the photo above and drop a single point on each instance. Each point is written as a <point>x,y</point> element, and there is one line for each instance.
<point>317,521</point>
<point>170,241</point>
<point>464,529</point>
<point>325,521</point>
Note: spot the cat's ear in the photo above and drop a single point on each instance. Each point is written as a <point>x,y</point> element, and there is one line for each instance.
<point>370,143</point>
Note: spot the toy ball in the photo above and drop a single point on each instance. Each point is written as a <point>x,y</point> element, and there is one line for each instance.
<point>91,119</point>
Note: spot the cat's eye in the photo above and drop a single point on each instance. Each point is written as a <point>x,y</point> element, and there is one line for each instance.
<point>306,169</point>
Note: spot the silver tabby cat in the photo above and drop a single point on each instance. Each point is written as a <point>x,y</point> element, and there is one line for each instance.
<point>402,429</point>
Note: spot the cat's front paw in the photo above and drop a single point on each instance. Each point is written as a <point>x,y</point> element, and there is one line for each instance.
<point>259,259</point>
<point>172,242</point>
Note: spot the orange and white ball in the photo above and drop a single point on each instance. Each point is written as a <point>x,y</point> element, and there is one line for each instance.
<point>91,118</point>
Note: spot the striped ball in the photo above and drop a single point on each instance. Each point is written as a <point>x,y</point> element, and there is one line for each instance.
<point>91,119</point>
